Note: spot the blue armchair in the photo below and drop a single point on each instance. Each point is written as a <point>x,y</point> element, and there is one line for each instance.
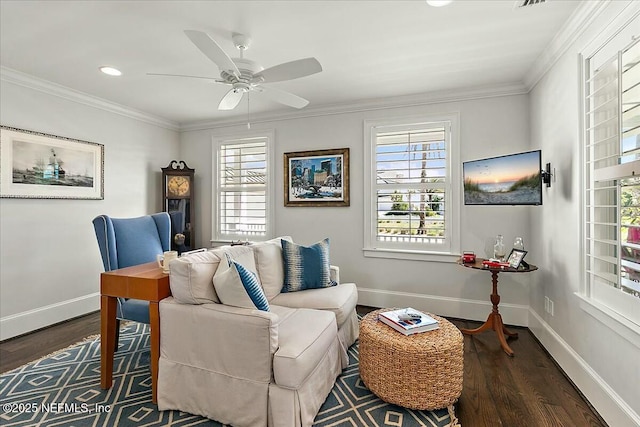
<point>125,242</point>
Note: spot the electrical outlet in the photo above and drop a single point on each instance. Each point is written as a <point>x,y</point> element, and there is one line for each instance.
<point>548,305</point>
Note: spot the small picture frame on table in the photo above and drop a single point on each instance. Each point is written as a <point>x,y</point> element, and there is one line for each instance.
<point>516,257</point>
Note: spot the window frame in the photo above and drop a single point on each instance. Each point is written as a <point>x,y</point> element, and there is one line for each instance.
<point>604,303</point>
<point>240,137</point>
<point>453,195</point>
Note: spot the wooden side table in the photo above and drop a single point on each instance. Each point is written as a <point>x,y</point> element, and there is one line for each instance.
<point>494,321</point>
<point>144,282</point>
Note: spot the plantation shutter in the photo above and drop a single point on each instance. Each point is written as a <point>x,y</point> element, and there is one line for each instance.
<point>242,188</point>
<point>411,186</point>
<point>612,167</point>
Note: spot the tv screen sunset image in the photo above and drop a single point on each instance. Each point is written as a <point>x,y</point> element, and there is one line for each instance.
<point>507,180</point>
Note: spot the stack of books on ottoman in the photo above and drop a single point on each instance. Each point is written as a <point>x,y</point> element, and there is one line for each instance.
<point>408,321</point>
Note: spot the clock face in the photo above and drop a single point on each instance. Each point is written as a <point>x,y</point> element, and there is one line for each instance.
<point>178,186</point>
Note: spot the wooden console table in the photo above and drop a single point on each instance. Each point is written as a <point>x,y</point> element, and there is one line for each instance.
<point>494,321</point>
<point>144,282</point>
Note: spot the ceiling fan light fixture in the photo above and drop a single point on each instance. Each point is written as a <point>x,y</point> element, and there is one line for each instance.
<point>111,71</point>
<point>245,75</point>
<point>438,3</point>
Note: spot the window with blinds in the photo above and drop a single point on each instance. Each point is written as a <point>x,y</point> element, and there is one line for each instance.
<point>612,170</point>
<point>410,189</point>
<point>242,191</point>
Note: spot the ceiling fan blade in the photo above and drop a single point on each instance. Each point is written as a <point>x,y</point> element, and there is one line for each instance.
<point>230,100</point>
<point>213,51</point>
<point>215,79</point>
<point>291,70</point>
<point>283,97</point>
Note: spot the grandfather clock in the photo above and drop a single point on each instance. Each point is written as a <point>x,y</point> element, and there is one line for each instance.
<point>177,197</point>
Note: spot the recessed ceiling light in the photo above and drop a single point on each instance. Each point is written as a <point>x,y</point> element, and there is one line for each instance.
<point>438,3</point>
<point>111,71</point>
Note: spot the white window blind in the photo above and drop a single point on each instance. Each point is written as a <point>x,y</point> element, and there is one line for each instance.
<point>242,190</point>
<point>410,177</point>
<point>612,193</point>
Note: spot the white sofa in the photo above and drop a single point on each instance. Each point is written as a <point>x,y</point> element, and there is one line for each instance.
<point>247,367</point>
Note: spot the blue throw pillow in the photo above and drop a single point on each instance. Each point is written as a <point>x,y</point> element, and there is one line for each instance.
<point>306,267</point>
<point>252,286</point>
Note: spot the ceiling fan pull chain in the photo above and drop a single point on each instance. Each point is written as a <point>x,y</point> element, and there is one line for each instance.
<point>248,123</point>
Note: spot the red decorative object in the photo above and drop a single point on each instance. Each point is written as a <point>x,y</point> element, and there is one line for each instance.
<point>493,264</point>
<point>468,257</point>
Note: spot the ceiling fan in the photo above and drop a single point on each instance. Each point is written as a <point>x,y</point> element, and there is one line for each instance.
<point>244,75</point>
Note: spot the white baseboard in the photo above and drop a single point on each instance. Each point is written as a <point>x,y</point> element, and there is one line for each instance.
<point>512,314</point>
<point>27,321</point>
<point>614,410</point>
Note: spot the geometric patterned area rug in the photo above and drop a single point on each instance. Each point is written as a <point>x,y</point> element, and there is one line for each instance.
<point>63,389</point>
<point>350,403</point>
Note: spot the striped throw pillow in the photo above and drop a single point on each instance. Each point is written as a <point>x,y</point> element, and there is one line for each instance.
<point>238,286</point>
<point>306,267</point>
<point>251,284</point>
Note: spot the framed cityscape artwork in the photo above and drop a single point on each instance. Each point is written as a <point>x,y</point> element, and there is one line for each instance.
<point>317,178</point>
<point>41,166</point>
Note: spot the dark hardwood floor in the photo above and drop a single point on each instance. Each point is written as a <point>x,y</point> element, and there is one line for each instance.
<point>527,390</point>
<point>18,351</point>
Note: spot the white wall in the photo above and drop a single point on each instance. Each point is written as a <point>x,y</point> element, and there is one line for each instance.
<point>50,263</point>
<point>49,259</point>
<point>488,127</point>
<point>603,364</point>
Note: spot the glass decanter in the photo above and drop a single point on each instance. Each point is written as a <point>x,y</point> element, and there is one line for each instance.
<point>518,243</point>
<point>499,249</point>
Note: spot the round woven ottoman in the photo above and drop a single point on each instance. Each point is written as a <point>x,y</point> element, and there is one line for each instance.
<point>420,371</point>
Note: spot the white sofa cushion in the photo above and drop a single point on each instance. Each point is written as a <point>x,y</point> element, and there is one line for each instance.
<point>304,337</point>
<point>190,278</point>
<point>268,257</point>
<point>241,254</point>
<point>340,299</point>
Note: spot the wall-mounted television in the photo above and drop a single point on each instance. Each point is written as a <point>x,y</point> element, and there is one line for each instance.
<point>514,179</point>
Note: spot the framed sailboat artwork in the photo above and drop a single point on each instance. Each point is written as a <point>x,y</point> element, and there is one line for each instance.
<point>37,165</point>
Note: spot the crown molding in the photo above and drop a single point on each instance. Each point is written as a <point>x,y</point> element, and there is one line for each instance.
<point>25,80</point>
<point>573,28</point>
<point>428,98</point>
<point>568,34</point>
<point>22,79</point>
